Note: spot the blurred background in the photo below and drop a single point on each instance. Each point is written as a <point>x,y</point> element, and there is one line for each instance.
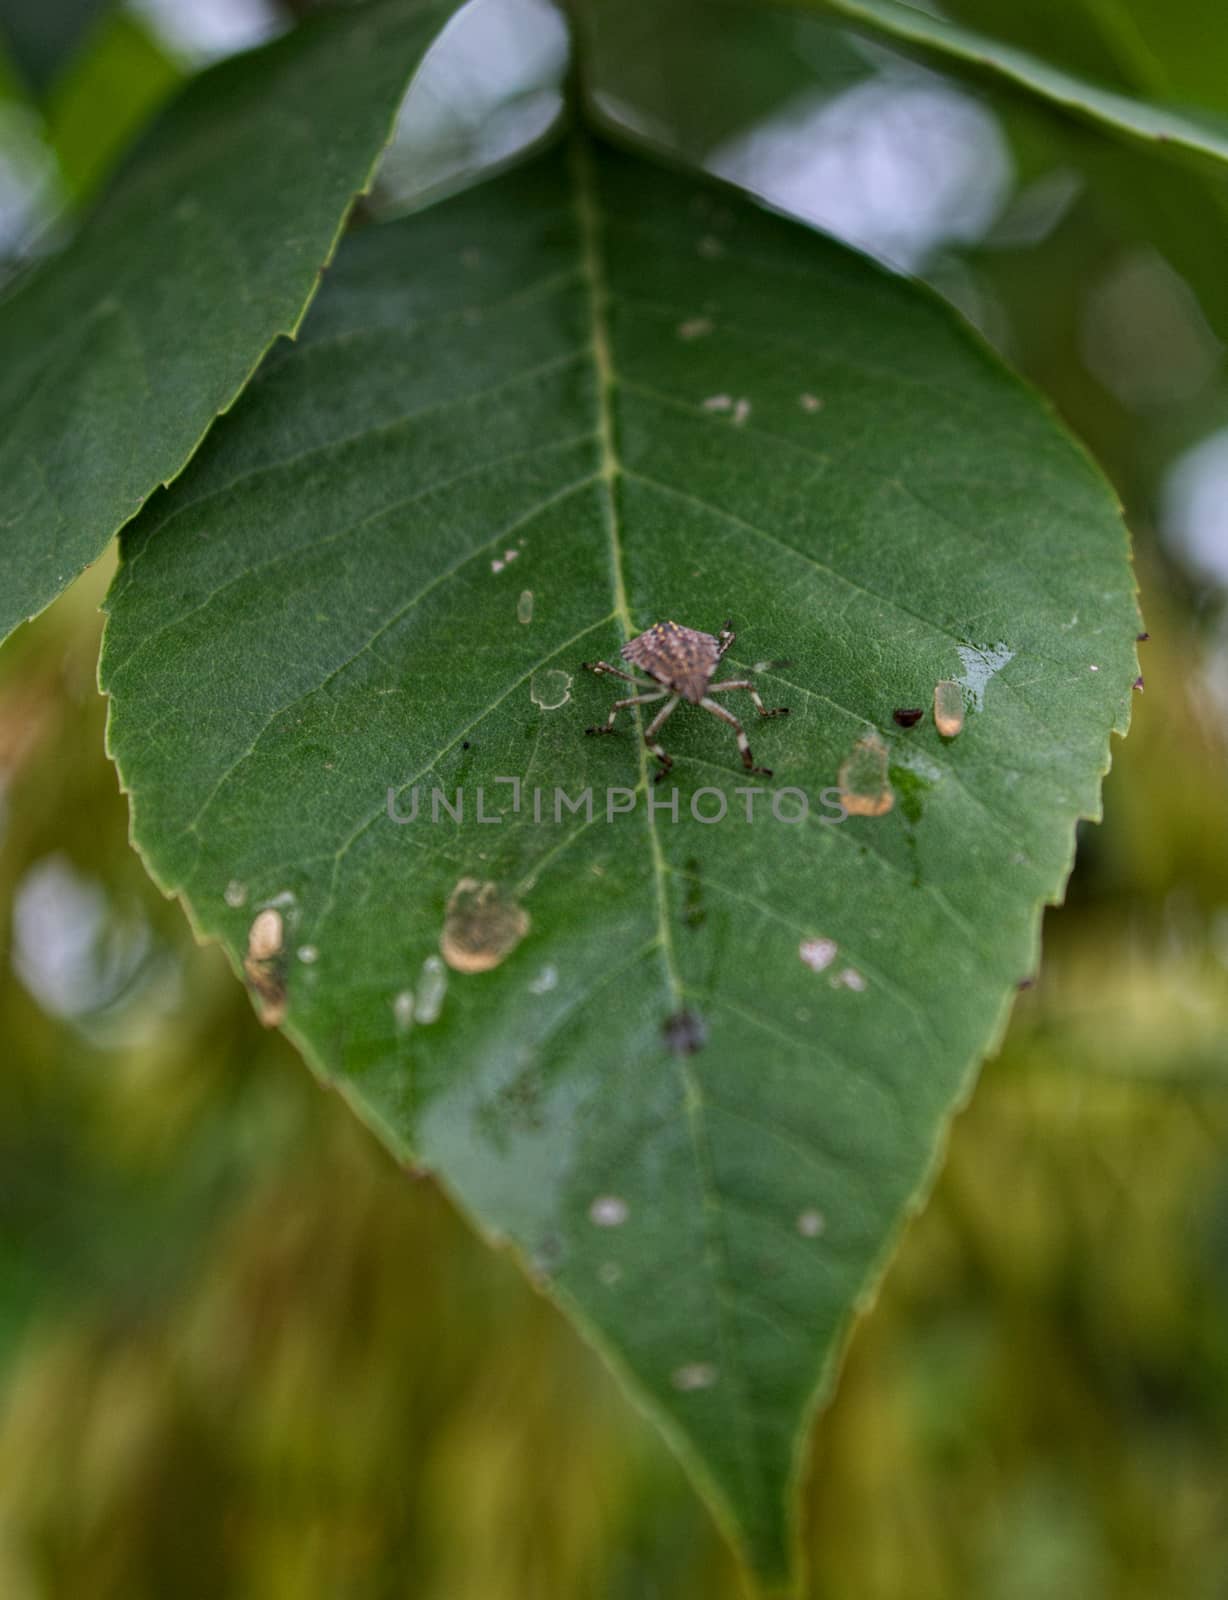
<point>243,1354</point>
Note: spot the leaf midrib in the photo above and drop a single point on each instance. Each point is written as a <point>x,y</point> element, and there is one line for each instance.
<point>589,220</point>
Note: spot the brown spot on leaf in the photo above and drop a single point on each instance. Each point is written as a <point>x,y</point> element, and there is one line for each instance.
<point>948,708</point>
<point>864,788</point>
<point>264,965</point>
<point>907,716</point>
<point>481,926</point>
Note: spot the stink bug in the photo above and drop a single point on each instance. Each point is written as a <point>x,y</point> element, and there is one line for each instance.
<point>681,661</point>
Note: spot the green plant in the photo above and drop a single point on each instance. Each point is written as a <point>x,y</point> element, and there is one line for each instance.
<point>695,1073</point>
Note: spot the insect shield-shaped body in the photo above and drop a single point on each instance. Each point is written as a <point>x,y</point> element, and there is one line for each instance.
<point>679,663</point>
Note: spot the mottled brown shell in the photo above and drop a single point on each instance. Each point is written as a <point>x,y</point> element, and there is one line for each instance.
<point>682,659</point>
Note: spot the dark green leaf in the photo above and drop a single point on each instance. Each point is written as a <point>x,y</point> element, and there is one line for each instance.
<point>116,356</point>
<point>518,428</point>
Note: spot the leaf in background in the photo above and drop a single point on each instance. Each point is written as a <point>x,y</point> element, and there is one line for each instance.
<point>41,35</point>
<point>692,74</point>
<point>520,426</point>
<point>117,354</point>
<point>1138,118</point>
<point>1177,52</point>
<point>1173,51</point>
<point>104,98</point>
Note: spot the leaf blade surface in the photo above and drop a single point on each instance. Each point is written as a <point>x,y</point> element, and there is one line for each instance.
<point>580,400</point>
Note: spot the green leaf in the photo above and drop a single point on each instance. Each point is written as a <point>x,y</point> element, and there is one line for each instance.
<point>1139,119</point>
<point>116,356</point>
<point>518,428</point>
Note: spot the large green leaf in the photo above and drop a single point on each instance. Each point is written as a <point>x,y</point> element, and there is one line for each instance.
<point>116,356</point>
<point>519,427</point>
<point>981,52</point>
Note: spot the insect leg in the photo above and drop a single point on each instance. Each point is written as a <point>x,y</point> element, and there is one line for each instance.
<point>748,761</point>
<point>745,683</point>
<point>604,667</point>
<point>726,636</point>
<point>632,700</point>
<point>651,740</point>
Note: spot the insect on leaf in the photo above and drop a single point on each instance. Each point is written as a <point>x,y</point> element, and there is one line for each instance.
<point>696,1071</point>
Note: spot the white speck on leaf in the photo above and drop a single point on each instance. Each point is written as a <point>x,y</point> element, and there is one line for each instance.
<point>718,402</point>
<point>524,606</point>
<point>307,953</point>
<point>710,247</point>
<point>810,1224</point>
<point>432,987</point>
<point>694,1375</point>
<point>810,402</point>
<point>740,412</point>
<point>235,893</point>
<point>403,1010</point>
<point>609,1272</point>
<point>695,328</point>
<point>817,954</point>
<point>849,978</point>
<point>497,564</point>
<point>608,1211</point>
<point>545,980</point>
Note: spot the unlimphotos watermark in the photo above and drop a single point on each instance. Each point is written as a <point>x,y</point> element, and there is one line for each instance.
<point>787,805</point>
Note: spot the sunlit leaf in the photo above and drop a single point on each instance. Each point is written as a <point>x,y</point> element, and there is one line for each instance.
<point>698,1072</point>
<point>116,356</point>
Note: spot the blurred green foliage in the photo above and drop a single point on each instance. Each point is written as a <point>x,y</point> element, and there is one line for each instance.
<point>242,1353</point>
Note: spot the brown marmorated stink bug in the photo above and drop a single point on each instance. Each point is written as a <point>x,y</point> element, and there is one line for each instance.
<point>681,662</point>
